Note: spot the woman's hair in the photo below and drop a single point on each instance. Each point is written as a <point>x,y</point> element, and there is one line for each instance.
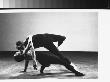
<point>20,45</point>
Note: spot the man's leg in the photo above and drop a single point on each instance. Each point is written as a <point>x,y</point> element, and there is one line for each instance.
<point>72,69</point>
<point>42,69</point>
<point>53,49</point>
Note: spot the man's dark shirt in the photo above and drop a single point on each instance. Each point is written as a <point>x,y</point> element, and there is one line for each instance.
<point>39,40</point>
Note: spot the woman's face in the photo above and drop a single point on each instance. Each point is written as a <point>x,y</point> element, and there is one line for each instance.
<point>20,46</point>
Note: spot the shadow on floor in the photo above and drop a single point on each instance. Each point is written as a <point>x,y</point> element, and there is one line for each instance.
<point>62,74</point>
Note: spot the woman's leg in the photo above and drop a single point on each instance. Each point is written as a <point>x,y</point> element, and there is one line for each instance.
<point>26,65</point>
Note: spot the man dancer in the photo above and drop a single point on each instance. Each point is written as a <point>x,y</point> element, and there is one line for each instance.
<point>44,40</point>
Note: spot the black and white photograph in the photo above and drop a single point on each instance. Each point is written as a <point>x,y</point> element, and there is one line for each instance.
<point>49,45</point>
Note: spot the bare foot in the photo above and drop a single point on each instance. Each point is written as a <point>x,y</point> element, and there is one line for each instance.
<point>23,71</point>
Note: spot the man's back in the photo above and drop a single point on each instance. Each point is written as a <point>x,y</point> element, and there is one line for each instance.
<point>39,40</point>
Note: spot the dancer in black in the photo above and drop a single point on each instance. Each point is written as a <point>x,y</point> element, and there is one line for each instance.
<point>43,40</point>
<point>46,40</point>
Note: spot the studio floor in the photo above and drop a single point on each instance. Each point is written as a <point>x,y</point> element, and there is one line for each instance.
<point>87,63</point>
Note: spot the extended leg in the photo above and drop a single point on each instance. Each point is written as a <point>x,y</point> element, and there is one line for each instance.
<point>42,69</point>
<point>53,49</point>
<point>71,68</point>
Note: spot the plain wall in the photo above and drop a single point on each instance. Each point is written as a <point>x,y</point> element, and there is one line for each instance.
<point>80,28</point>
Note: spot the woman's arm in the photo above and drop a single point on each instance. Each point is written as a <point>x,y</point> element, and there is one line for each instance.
<point>27,44</point>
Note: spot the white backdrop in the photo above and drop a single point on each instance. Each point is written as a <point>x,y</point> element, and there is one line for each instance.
<point>103,48</point>
<point>80,28</point>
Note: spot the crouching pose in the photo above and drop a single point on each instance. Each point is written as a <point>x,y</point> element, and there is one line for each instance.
<point>41,40</point>
<point>46,60</point>
<point>46,41</point>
